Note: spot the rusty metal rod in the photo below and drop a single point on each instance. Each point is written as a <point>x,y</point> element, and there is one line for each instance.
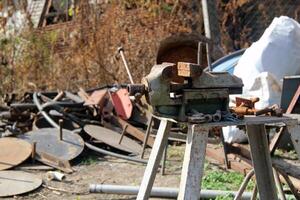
<point>61,129</point>
<point>146,137</point>
<point>123,133</point>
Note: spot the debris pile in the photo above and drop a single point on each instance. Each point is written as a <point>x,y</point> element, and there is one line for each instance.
<point>53,128</point>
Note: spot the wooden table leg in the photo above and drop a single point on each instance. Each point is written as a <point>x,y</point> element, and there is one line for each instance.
<point>193,163</point>
<point>261,161</point>
<point>294,131</point>
<point>154,159</point>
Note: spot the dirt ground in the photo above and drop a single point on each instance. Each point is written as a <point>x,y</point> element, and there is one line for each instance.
<point>104,170</point>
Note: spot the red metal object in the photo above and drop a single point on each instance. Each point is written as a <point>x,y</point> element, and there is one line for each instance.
<point>122,103</point>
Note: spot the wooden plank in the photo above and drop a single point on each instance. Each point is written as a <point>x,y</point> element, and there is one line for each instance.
<point>261,161</point>
<point>237,164</point>
<point>193,163</point>
<point>131,130</point>
<point>295,136</point>
<point>154,159</point>
<point>293,101</point>
<point>254,120</point>
<point>275,140</point>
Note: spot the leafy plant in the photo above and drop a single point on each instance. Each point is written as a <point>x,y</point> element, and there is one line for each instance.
<point>219,180</point>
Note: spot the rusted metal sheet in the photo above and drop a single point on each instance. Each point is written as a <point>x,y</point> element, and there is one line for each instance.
<point>122,103</point>
<point>47,141</point>
<point>13,152</point>
<point>52,161</point>
<point>112,138</point>
<point>239,165</point>
<point>133,131</point>
<point>17,182</point>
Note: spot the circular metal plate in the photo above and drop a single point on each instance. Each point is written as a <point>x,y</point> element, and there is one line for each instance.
<point>112,138</point>
<point>47,141</point>
<point>13,152</point>
<point>17,182</point>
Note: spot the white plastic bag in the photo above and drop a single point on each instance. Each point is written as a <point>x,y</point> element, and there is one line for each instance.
<point>263,65</point>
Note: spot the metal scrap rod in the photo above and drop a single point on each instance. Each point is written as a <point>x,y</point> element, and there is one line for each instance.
<point>39,106</point>
<point>121,52</point>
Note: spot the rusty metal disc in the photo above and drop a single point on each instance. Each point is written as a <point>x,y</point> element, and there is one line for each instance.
<point>17,182</point>
<point>13,152</point>
<point>47,141</point>
<point>112,138</point>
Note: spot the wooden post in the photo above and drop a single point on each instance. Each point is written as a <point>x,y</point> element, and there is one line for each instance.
<point>294,131</point>
<point>261,161</point>
<point>193,163</point>
<point>154,159</point>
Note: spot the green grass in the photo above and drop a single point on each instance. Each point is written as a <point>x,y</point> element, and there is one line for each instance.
<point>221,180</point>
<point>89,160</point>
<point>216,178</point>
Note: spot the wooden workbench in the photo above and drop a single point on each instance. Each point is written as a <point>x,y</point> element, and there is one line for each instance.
<point>194,157</point>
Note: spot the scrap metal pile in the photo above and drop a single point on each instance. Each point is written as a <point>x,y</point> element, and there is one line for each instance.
<point>55,127</point>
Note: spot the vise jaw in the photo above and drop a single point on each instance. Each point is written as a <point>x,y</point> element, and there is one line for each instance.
<point>176,91</point>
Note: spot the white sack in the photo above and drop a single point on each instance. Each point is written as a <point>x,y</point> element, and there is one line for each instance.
<point>263,65</point>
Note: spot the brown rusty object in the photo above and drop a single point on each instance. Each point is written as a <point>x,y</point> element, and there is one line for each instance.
<point>112,138</point>
<point>189,69</point>
<point>123,133</point>
<point>249,103</point>
<point>242,110</point>
<point>131,130</point>
<point>53,161</point>
<point>33,152</point>
<point>273,110</point>
<point>13,152</point>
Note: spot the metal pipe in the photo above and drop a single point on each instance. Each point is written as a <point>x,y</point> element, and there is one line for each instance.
<point>121,52</point>
<point>199,54</point>
<point>39,106</point>
<point>99,150</point>
<point>207,30</point>
<point>162,192</point>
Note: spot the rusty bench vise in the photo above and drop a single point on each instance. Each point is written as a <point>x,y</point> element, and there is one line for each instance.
<point>177,91</point>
